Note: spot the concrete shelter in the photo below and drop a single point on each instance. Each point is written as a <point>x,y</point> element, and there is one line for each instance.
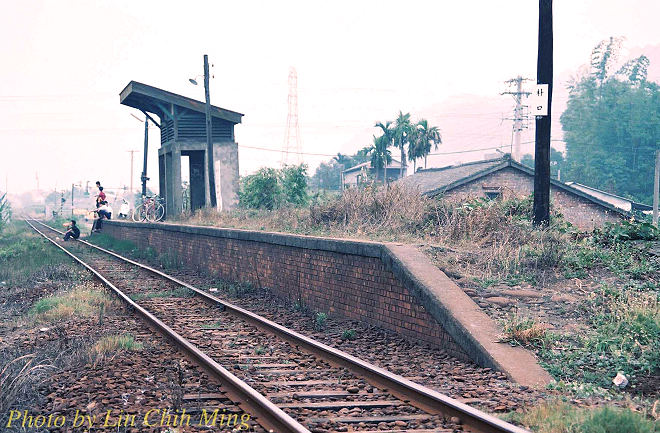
<point>183,133</point>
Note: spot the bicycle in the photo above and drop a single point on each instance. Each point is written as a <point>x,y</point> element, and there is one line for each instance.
<point>151,209</point>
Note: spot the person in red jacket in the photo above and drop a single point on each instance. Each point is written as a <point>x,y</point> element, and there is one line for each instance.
<point>101,195</point>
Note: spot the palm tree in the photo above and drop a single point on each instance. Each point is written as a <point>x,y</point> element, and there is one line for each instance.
<point>381,156</point>
<point>428,137</point>
<point>402,133</point>
<point>415,147</point>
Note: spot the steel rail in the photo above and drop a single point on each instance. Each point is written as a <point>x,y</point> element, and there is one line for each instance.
<point>267,413</point>
<point>410,392</point>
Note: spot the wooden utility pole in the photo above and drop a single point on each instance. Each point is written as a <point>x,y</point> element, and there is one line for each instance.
<point>656,187</point>
<point>209,134</point>
<point>542,150</point>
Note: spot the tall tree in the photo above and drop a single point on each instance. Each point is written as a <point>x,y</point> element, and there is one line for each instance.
<point>402,133</point>
<point>428,138</point>
<point>381,156</point>
<point>612,127</point>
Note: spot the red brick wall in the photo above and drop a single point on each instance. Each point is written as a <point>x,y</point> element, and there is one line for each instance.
<point>577,210</point>
<point>354,286</point>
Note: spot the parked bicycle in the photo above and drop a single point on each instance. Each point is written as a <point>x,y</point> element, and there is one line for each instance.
<point>152,209</point>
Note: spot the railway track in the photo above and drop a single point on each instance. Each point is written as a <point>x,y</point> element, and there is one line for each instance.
<point>287,382</point>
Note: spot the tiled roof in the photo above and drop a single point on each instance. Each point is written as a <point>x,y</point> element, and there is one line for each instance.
<point>434,181</point>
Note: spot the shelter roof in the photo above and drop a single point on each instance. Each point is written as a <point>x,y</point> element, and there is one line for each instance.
<point>157,101</point>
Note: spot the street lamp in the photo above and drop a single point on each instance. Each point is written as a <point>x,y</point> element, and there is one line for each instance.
<point>209,138</point>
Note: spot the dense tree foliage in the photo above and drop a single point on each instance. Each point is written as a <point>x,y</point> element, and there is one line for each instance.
<point>612,126</point>
<point>270,188</point>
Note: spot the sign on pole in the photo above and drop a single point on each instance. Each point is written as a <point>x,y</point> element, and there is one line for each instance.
<point>538,100</point>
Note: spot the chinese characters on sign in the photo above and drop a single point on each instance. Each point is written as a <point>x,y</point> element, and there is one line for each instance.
<point>538,100</point>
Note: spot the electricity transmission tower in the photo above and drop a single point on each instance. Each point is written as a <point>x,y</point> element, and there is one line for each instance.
<point>520,112</point>
<point>292,142</point>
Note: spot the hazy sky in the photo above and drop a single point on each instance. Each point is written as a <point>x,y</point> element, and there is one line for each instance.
<point>65,62</point>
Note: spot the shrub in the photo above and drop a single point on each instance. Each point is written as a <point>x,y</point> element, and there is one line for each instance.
<point>260,190</point>
<point>294,184</point>
<point>270,188</point>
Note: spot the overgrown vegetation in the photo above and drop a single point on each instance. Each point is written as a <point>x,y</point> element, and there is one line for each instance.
<point>83,300</point>
<point>26,258</point>
<point>271,188</point>
<point>561,417</point>
<point>111,344</point>
<point>525,332</point>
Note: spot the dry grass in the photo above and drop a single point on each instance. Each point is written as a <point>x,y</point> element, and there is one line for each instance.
<point>18,374</point>
<point>111,344</point>
<point>525,332</point>
<point>497,235</point>
<point>562,417</point>
<point>83,300</point>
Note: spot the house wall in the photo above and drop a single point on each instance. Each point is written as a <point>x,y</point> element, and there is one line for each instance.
<point>577,210</point>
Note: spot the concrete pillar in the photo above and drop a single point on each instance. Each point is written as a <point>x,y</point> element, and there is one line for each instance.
<point>177,190</point>
<point>225,158</point>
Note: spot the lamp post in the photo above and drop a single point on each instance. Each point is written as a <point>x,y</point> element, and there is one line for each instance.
<point>209,133</point>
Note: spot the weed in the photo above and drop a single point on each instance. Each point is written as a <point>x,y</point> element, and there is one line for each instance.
<point>111,344</point>
<point>525,332</point>
<point>560,417</point>
<point>84,300</point>
<point>320,320</point>
<point>349,334</point>
<point>259,350</point>
<point>25,257</point>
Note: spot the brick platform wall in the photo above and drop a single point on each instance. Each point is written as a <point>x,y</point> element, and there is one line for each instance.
<point>342,278</point>
<point>577,210</point>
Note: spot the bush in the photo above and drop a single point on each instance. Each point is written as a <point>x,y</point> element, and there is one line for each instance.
<point>260,190</point>
<point>270,189</point>
<point>294,184</point>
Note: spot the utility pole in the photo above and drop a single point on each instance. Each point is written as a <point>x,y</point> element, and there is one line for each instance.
<point>73,186</point>
<point>519,116</point>
<point>542,148</point>
<point>131,152</point>
<point>209,136</point>
<point>656,188</point>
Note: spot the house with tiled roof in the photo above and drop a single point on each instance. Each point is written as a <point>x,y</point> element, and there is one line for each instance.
<point>582,206</point>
